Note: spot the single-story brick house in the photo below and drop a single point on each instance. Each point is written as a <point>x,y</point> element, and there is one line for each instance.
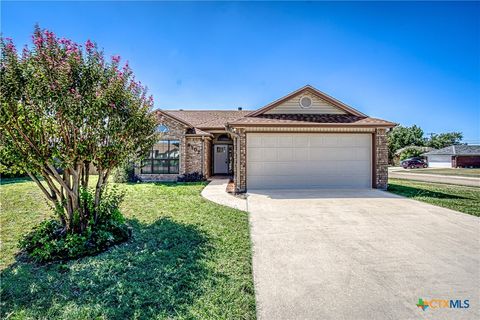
<point>456,156</point>
<point>305,139</point>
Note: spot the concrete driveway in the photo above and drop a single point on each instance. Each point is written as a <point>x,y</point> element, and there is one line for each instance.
<point>360,254</point>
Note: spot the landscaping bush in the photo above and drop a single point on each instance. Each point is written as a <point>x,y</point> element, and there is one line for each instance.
<point>50,242</point>
<point>124,173</point>
<point>7,171</point>
<point>191,177</point>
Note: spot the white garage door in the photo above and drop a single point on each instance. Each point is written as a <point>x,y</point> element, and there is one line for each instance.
<point>297,160</point>
<point>440,161</point>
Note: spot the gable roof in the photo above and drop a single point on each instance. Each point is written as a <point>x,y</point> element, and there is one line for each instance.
<point>314,91</point>
<point>219,119</point>
<point>457,150</point>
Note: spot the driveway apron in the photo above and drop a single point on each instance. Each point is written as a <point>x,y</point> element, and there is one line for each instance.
<point>360,254</point>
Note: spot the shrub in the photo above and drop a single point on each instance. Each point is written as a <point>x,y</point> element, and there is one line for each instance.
<point>49,241</point>
<point>191,177</point>
<point>7,171</point>
<point>124,173</point>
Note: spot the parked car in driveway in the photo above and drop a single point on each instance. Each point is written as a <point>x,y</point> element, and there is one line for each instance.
<point>413,163</point>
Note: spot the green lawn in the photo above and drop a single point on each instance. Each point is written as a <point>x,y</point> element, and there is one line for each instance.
<point>189,258</point>
<point>463,172</point>
<point>460,198</point>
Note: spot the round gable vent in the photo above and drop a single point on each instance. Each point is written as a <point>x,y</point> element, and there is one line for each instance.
<point>306,102</point>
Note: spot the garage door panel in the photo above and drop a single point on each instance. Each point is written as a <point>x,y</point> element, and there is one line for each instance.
<point>285,142</point>
<point>362,154</point>
<point>329,141</point>
<point>285,154</point>
<point>269,154</point>
<point>269,141</point>
<point>308,160</point>
<point>256,168</point>
<point>279,168</point>
<point>254,143</point>
<point>321,167</point>
<point>299,141</point>
<point>301,154</point>
<point>254,155</point>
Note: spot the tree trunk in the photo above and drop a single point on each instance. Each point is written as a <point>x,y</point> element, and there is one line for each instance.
<point>63,191</point>
<point>102,178</point>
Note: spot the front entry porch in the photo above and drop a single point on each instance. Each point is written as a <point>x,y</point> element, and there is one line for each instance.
<point>222,155</point>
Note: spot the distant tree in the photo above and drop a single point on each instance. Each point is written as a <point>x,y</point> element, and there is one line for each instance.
<point>65,109</point>
<point>442,140</point>
<point>401,137</point>
<point>410,152</point>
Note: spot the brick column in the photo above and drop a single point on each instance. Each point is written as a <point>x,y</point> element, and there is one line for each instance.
<point>240,178</point>
<point>381,158</point>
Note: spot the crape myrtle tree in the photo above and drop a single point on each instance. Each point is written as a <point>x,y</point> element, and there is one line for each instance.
<point>64,110</point>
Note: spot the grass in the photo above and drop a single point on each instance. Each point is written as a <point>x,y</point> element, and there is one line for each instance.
<point>462,172</point>
<point>460,198</point>
<point>188,258</point>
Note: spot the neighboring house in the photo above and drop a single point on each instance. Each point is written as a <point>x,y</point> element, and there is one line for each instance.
<point>305,139</point>
<point>454,157</point>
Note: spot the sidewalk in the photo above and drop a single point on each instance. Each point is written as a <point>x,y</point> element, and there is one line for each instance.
<point>216,192</point>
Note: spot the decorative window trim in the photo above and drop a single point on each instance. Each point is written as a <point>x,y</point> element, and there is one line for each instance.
<point>169,163</point>
<point>163,128</point>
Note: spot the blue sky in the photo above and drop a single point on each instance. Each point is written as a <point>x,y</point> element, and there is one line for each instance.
<point>411,63</point>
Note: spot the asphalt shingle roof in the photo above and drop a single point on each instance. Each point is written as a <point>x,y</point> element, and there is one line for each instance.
<point>458,150</point>
<point>210,119</point>
<point>205,119</point>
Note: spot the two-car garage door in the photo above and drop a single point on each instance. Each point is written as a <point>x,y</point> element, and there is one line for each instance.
<point>305,160</point>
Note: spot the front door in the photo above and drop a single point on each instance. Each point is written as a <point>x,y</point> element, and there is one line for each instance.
<point>220,159</point>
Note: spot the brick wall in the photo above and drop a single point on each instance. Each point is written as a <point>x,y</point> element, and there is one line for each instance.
<point>208,158</point>
<point>194,161</point>
<point>381,158</point>
<point>240,178</point>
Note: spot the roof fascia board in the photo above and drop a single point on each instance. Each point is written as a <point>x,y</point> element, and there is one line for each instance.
<point>309,125</point>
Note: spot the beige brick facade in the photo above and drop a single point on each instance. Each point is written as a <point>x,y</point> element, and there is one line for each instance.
<point>240,177</point>
<point>195,152</point>
<point>381,159</point>
<point>198,154</point>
